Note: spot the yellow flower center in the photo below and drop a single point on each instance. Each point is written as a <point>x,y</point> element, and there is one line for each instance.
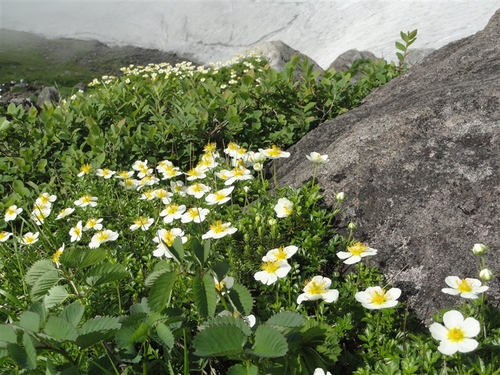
<point>128,182</point>
<point>123,174</point>
<point>232,146</point>
<point>102,236</point>
<point>218,227</point>
<point>193,172</point>
<point>77,231</point>
<point>288,210</point>
<point>463,286</point>
<point>281,253</point>
<point>149,194</point>
<point>270,266</point>
<point>169,238</point>
<point>378,298</point>
<point>56,256</point>
<point>171,208</point>
<point>106,172</point>
<point>85,168</point>
<point>141,221</point>
<point>220,286</point>
<point>219,196</point>
<point>274,151</point>
<point>86,199</point>
<point>316,288</point>
<point>10,211</point>
<point>357,249</point>
<point>197,188</point>
<point>455,335</point>
<point>29,239</point>
<point>210,147</point>
<point>91,223</point>
<point>238,172</point>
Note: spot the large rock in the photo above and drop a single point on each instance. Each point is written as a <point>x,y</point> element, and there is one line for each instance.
<point>345,60</point>
<point>420,164</point>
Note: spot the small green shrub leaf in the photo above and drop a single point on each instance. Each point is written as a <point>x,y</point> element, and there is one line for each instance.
<point>400,46</point>
<point>30,320</point>
<point>205,297</point>
<point>95,330</point>
<point>39,269</point>
<point>60,329</point>
<point>160,291</point>
<point>286,321</point>
<point>241,369</point>
<point>241,298</point>
<point>217,341</point>
<point>7,334</point>
<point>105,273</point>
<point>269,343</point>
<point>56,295</point>
<point>73,313</point>
<point>165,336</point>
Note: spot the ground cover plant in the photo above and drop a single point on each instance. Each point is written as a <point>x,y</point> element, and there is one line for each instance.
<point>125,251</point>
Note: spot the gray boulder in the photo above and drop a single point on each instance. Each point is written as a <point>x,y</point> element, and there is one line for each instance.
<point>420,164</point>
<point>48,94</point>
<point>345,60</point>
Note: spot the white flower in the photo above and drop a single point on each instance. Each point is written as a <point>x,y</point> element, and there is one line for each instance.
<point>170,172</point>
<point>340,197</point>
<point>196,173</point>
<point>238,174</point>
<point>93,223</point>
<point>355,252</point>
<point>194,214</point>
<point>274,152</point>
<point>84,169</point>
<point>129,183</point>
<point>178,187</point>
<point>197,190</point>
<point>142,168</point>
<point>320,371</point>
<point>375,297</point>
<point>272,271</point>
<point>57,255</point>
<point>219,197</point>
<point>219,230</point>
<point>65,212</point>
<point>148,195</point>
<point>163,194</point>
<point>317,288</point>
<point>172,211</point>
<point>232,149</point>
<point>467,288</point>
<point>225,284</point>
<point>39,215</point>
<point>316,158</point>
<point>479,249</point>
<point>106,173</point>
<point>165,238</point>
<point>223,174</point>
<point>148,180</point>
<point>29,238</point>
<point>456,334</point>
<point>284,207</point>
<point>4,236</point>
<point>124,175</point>
<point>142,222</point>
<point>486,275</point>
<point>45,198</point>
<point>76,232</point>
<point>12,212</point>
<point>86,200</point>
<point>281,253</point>
<point>101,237</point>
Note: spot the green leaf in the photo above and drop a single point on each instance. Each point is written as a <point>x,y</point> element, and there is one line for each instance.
<point>241,298</point>
<point>177,249</point>
<point>60,329</point>
<point>56,295</point>
<point>39,269</point>
<point>200,251</point>
<point>404,36</point>
<point>269,343</point>
<point>139,335</point>
<point>241,369</point>
<point>166,338</point>
<point>220,269</point>
<point>105,273</point>
<point>205,297</point>
<point>4,124</point>
<point>400,46</point>
<point>100,158</point>
<point>286,321</point>
<point>42,163</point>
<point>226,320</point>
<point>95,330</point>
<point>82,258</point>
<point>43,284</point>
<point>160,292</point>
<point>25,356</point>
<point>30,320</point>
<point>160,268</point>
<point>73,313</point>
<point>7,333</point>
<point>219,341</point>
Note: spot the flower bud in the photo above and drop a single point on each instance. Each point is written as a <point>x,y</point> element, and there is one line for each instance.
<point>486,275</point>
<point>246,188</point>
<point>272,222</point>
<point>257,219</point>
<point>479,249</point>
<point>340,196</point>
<point>352,225</point>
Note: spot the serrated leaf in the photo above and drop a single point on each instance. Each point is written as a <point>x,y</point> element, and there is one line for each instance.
<point>221,269</point>
<point>82,258</point>
<point>39,269</point>
<point>60,329</point>
<point>200,251</point>
<point>241,369</point>
<point>241,299</point>
<point>286,321</point>
<point>205,297</point>
<point>177,249</point>
<point>400,46</point>
<point>7,333</point>
<point>219,341</point>
<point>129,326</point>
<point>226,320</point>
<point>269,343</point>
<point>140,334</point>
<point>160,291</point>
<point>30,320</point>
<point>56,295</point>
<point>73,313</point>
<point>95,330</point>
<point>43,284</point>
<point>154,275</point>
<point>105,273</point>
<point>165,335</point>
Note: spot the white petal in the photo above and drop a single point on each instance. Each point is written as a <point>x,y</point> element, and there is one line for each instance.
<point>344,254</point>
<point>438,331</point>
<point>471,327</point>
<point>331,295</point>
<point>283,270</point>
<point>453,318</point>
<point>452,281</point>
<point>451,291</point>
<point>393,293</point>
<point>467,345</point>
<point>447,347</point>
<point>301,298</point>
<point>352,260</point>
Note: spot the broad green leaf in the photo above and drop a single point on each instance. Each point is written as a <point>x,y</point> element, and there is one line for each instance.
<point>40,309</point>
<point>139,335</point>
<point>4,124</point>
<point>269,343</point>
<point>105,273</point>
<point>177,249</point>
<point>219,341</point>
<point>241,369</point>
<point>95,330</point>
<point>73,313</point>
<point>165,335</point>
<point>201,252</point>
<point>56,295</point>
<point>42,163</point>
<point>43,284</point>
<point>404,36</point>
<point>7,333</point>
<point>205,297</point>
<point>241,298</point>
<point>286,321</point>
<point>130,326</point>
<point>100,158</point>
<point>39,269</point>
<point>400,46</point>
<point>160,291</point>
<point>82,258</point>
<point>226,320</point>
<point>220,269</point>
<point>30,320</point>
<point>60,329</point>
<point>154,275</point>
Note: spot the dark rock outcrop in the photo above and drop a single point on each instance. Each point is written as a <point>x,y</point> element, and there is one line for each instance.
<point>345,60</point>
<point>48,94</point>
<point>420,164</point>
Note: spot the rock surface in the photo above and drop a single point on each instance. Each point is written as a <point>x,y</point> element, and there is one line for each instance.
<point>345,60</point>
<point>420,164</point>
